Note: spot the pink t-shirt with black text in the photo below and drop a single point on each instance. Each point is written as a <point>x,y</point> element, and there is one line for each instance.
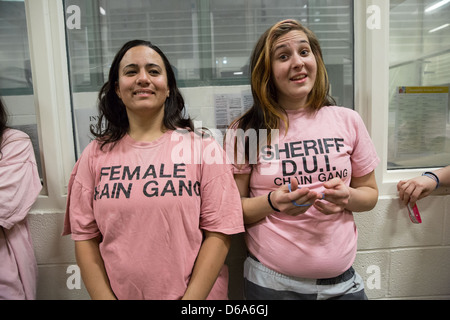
<point>19,188</point>
<point>318,147</point>
<point>150,205</point>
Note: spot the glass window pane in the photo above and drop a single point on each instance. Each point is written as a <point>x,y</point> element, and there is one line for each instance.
<point>208,42</point>
<point>105,25</point>
<point>236,27</point>
<point>419,126</point>
<point>15,69</point>
<point>16,87</point>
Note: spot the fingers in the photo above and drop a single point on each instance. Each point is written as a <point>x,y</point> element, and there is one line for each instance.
<point>407,192</point>
<point>414,189</point>
<point>327,208</point>
<point>401,191</point>
<point>301,197</point>
<point>336,190</point>
<point>293,200</point>
<point>300,201</point>
<point>336,195</point>
<point>294,184</point>
<point>330,184</point>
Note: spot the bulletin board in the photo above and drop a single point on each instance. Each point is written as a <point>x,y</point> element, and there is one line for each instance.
<point>229,106</point>
<point>421,117</point>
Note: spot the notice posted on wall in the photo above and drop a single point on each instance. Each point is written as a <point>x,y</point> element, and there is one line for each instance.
<point>421,116</point>
<point>229,106</point>
<point>84,118</point>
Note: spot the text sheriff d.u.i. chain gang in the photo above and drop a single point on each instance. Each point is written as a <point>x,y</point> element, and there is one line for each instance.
<point>306,160</point>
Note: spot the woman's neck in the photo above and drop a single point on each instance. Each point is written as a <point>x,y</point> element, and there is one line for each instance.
<point>146,129</point>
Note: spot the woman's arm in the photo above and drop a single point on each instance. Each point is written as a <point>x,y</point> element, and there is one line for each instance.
<point>419,187</point>
<point>210,260</point>
<point>362,195</point>
<point>93,269</point>
<point>258,208</point>
<point>444,176</point>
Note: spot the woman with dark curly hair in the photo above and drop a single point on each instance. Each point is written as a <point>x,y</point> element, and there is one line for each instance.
<point>19,187</point>
<point>149,223</point>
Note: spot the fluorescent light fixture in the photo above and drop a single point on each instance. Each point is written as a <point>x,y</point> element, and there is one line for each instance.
<point>439,28</point>
<point>437,5</point>
<point>102,11</point>
<point>239,73</point>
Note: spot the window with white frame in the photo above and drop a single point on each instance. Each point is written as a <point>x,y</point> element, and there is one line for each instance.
<point>16,87</point>
<point>208,42</point>
<point>419,123</point>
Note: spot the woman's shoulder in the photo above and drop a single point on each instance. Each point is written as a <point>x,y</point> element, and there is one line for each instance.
<point>340,112</point>
<point>16,140</point>
<point>93,150</point>
<point>11,134</point>
<point>339,109</point>
<point>16,146</point>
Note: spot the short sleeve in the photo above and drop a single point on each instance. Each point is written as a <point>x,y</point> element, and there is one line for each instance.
<point>20,183</point>
<point>364,157</point>
<point>234,150</point>
<point>221,209</point>
<point>79,219</point>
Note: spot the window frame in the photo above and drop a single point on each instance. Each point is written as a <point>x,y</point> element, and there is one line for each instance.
<point>46,36</point>
<point>372,91</point>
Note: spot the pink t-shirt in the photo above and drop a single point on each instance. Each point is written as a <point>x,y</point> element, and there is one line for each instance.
<point>19,187</point>
<point>150,203</point>
<point>318,147</point>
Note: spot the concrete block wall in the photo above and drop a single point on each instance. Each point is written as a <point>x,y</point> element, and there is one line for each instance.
<point>397,259</point>
<point>413,259</point>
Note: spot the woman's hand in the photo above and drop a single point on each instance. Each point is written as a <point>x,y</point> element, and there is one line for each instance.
<point>283,199</point>
<point>337,196</point>
<point>361,195</point>
<point>415,189</point>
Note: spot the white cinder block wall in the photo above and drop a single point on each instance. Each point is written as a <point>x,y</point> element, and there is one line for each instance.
<point>397,259</point>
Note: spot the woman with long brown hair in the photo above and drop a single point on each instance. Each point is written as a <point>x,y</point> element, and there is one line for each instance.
<point>19,187</point>
<point>146,223</point>
<point>300,231</point>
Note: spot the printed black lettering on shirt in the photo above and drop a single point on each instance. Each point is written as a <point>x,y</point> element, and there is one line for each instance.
<point>116,182</point>
<point>307,161</point>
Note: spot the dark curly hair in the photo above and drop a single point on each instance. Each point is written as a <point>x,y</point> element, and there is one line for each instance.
<point>113,122</point>
<point>3,121</point>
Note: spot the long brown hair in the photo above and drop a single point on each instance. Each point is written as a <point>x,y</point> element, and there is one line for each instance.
<point>266,113</point>
<point>3,121</point>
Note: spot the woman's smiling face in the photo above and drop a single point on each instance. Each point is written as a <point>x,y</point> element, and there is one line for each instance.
<point>294,69</point>
<point>142,85</point>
